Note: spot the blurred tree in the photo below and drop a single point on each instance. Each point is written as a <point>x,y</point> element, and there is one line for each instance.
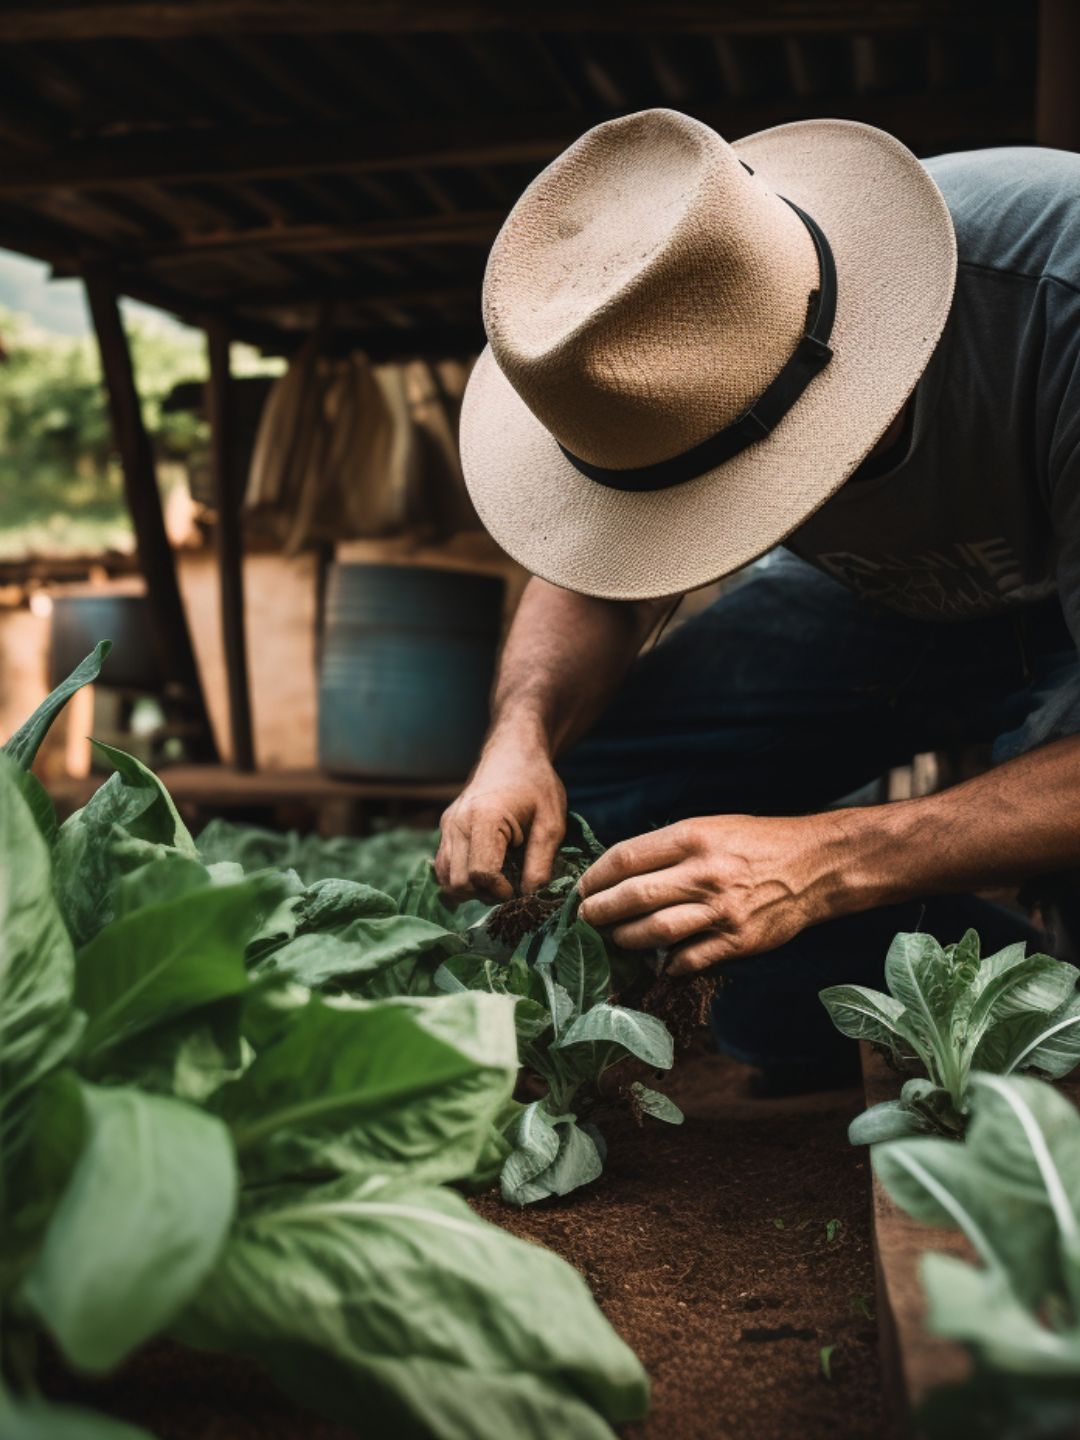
<point>60,482</point>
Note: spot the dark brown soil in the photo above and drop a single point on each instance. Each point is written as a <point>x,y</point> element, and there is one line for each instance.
<point>707,1246</point>
<point>683,1003</point>
<point>511,922</point>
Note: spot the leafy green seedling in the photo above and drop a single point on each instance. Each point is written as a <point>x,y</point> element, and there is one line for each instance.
<point>832,1229</point>
<point>951,1011</point>
<point>825,1355</point>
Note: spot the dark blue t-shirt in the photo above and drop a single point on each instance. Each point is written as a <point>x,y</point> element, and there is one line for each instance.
<point>983,511</point>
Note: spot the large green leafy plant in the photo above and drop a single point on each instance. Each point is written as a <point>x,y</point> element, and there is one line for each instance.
<point>345,938</point>
<point>194,1143</point>
<point>950,1012</point>
<point>1013,1188</point>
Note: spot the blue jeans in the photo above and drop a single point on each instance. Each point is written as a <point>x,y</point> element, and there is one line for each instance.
<point>787,694</point>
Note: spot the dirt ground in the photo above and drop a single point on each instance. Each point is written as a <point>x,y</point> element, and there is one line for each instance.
<point>708,1247</point>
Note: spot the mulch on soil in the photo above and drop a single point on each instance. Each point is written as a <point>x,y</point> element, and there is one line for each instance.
<point>706,1245</point>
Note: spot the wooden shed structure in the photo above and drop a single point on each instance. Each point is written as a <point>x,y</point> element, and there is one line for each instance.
<point>246,163</point>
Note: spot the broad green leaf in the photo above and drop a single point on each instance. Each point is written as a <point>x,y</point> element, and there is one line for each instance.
<point>577,1162</point>
<point>129,820</point>
<point>919,976</point>
<point>891,1120</point>
<point>1026,1137</point>
<point>497,1146</point>
<point>966,952</point>
<point>324,908</point>
<point>1051,1045</point>
<point>402,1086</point>
<point>1034,982</point>
<point>39,1026</point>
<point>163,960</point>
<point>531,1020</point>
<point>37,799</point>
<point>867,1015</point>
<point>653,1103</point>
<point>933,1181</point>
<point>643,1036</point>
<point>168,828</point>
<point>332,904</point>
<point>159,881</point>
<point>189,1058</point>
<point>23,745</point>
<point>41,1420</point>
<point>422,897</point>
<point>393,1308</point>
<point>478,972</point>
<point>138,1227</point>
<point>268,1011</point>
<point>360,949</point>
<point>980,1308</point>
<point>52,1137</point>
<point>581,967</point>
<point>535,1142</point>
<point>385,861</point>
<point>1010,1187</point>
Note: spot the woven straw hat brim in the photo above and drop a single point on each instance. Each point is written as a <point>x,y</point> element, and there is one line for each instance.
<point>895,250</point>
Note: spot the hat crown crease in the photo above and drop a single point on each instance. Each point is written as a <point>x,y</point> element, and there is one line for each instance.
<point>645,290</point>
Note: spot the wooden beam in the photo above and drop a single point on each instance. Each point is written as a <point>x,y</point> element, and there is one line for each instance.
<point>172,640</point>
<point>280,152</point>
<point>370,291</point>
<point>475,228</point>
<point>165,19</point>
<point>228,498</point>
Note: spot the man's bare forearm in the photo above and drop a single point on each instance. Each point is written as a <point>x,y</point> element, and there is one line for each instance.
<point>564,657</point>
<point>1018,820</point>
<point>719,887</point>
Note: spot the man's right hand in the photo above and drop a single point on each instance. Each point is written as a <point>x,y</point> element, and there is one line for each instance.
<point>513,798</point>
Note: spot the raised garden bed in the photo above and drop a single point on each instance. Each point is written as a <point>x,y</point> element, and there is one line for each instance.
<point>915,1363</point>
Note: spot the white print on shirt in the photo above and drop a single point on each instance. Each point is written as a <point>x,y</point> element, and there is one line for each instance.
<point>951,582</point>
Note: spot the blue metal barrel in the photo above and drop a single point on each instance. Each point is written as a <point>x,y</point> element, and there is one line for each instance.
<point>408,659</point>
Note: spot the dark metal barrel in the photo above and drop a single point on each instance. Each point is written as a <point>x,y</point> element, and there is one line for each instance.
<point>408,660</point>
<point>80,620</point>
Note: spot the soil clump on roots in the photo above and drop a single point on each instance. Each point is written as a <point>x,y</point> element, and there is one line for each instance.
<point>511,922</point>
<point>682,1003</point>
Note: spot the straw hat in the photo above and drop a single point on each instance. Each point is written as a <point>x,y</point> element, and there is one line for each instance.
<point>694,344</point>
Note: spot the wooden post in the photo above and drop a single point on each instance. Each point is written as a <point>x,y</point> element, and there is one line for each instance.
<point>183,688</point>
<point>230,553</point>
<point>1057,96</point>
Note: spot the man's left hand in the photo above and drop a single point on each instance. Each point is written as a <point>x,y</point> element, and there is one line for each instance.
<point>718,887</point>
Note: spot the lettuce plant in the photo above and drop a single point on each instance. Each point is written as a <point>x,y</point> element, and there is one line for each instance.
<point>557,969</point>
<point>1013,1188</point>
<point>950,1012</point>
<point>196,1145</point>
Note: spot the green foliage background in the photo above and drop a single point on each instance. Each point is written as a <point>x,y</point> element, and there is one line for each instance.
<point>60,483</point>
